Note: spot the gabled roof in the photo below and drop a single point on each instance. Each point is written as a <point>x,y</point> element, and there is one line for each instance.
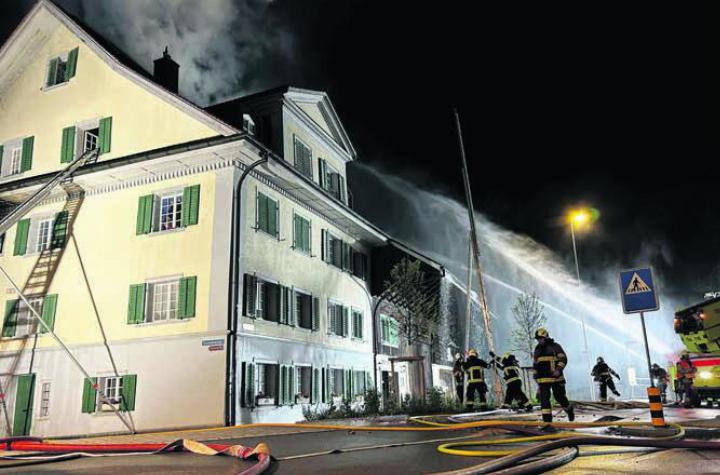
<point>44,17</point>
<point>295,99</point>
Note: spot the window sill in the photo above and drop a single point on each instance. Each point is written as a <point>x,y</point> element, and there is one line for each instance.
<point>22,337</point>
<point>262,231</point>
<point>166,231</point>
<point>162,322</point>
<point>12,177</point>
<point>304,253</point>
<point>54,86</point>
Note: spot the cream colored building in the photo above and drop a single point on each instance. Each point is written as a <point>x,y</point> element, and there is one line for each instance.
<point>191,297</point>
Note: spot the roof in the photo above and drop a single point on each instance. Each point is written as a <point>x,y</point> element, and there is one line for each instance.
<point>113,56</point>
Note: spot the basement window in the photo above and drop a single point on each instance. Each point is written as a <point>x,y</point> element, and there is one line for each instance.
<point>267,384</point>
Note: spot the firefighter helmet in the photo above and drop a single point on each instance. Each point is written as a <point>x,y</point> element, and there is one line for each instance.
<point>473,353</point>
<point>458,356</point>
<point>541,333</point>
<point>600,359</point>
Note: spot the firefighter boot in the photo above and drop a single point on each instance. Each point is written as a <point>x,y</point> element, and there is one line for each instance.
<point>570,412</point>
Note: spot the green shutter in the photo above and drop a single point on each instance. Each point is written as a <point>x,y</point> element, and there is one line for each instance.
<point>191,205</point>
<point>345,321</point>
<point>186,297</point>
<point>2,151</point>
<point>136,304</point>
<point>315,313</point>
<point>60,227</point>
<point>297,229</point>
<point>23,405</point>
<point>10,318</point>
<point>249,396</point>
<point>67,150</point>
<point>89,395</point>
<point>27,154</point>
<point>144,214</point>
<point>321,172</point>
<point>262,212</point>
<point>129,383</point>
<point>272,210</point>
<point>105,135</point>
<point>71,66</point>
<point>21,237</point>
<point>306,236</point>
<point>52,70</point>
<point>49,309</point>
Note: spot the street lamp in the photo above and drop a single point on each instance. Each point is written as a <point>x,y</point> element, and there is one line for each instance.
<point>580,218</point>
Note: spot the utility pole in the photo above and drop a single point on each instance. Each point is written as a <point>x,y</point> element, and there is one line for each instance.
<point>476,256</point>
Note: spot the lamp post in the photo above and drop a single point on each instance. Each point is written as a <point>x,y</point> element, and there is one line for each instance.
<point>579,218</point>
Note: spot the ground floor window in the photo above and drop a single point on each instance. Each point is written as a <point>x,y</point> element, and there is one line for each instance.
<point>45,399</point>
<point>109,393</point>
<point>304,384</point>
<point>267,384</point>
<point>358,383</point>
<point>337,383</point>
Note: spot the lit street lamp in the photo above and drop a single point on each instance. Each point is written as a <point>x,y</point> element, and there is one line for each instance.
<point>579,218</point>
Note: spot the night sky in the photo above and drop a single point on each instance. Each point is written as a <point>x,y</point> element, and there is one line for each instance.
<point>612,105</point>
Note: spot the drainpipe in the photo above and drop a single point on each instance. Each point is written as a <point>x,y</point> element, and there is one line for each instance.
<point>233,301</point>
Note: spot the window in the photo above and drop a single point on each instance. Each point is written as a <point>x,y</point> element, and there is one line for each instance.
<point>15,161</point>
<point>304,384</point>
<point>302,240</point>
<point>112,393</point>
<point>45,400</point>
<point>388,331</point>
<point>163,301</point>
<point>165,211</point>
<point>268,301</point>
<point>303,158</point>
<point>169,212</point>
<point>42,242</point>
<point>23,318</point>
<point>268,215</point>
<point>332,249</point>
<point>331,180</point>
<point>337,319</point>
<point>359,264</point>
<point>358,383</point>
<point>303,308</point>
<point>61,68</point>
<point>267,384</point>
<point>357,322</point>
<point>2,243</point>
<point>337,383</point>
<point>248,124</point>
<point>90,139</point>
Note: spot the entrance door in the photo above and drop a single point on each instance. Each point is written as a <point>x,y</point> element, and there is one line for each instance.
<point>23,404</point>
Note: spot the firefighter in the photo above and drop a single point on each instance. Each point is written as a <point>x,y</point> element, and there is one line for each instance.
<point>686,374</point>
<point>459,376</point>
<point>549,361</point>
<point>661,379</point>
<point>475,369</point>
<point>513,384</point>
<point>602,373</point>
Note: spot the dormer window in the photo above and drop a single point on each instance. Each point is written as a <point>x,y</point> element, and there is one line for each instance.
<point>331,180</point>
<point>61,68</point>
<point>248,124</point>
<point>303,158</point>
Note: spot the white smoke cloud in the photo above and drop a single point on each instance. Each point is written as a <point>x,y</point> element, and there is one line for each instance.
<point>222,46</point>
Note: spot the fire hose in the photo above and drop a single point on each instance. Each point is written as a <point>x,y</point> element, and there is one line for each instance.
<point>515,461</point>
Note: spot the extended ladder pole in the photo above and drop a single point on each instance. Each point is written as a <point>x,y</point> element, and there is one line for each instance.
<point>37,316</point>
<point>21,210</point>
<point>476,252</point>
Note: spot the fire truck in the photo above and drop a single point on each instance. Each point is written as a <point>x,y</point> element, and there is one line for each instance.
<point>699,329</point>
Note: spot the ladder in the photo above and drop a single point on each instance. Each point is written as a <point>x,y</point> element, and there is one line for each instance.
<point>24,208</point>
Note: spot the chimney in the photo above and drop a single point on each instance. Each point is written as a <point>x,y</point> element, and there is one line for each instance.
<point>166,72</point>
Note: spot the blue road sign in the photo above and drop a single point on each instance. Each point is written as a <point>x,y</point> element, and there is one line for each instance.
<point>637,291</point>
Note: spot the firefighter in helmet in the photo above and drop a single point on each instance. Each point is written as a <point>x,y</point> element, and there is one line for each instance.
<point>686,372</point>
<point>549,361</point>
<point>475,370</point>
<point>459,376</point>
<point>513,384</point>
<point>661,379</point>
<point>602,373</point>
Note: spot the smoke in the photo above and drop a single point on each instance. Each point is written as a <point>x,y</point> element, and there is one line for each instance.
<point>224,47</point>
<point>514,264</point>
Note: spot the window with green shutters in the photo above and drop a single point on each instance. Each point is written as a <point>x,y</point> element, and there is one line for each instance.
<point>67,146</point>
<point>161,301</point>
<point>104,135</point>
<point>20,320</point>
<point>27,154</point>
<point>357,324</point>
<point>389,331</point>
<point>338,319</point>
<point>267,215</point>
<point>62,68</point>
<point>109,393</point>
<point>168,211</point>
<point>21,237</point>
<point>302,234</point>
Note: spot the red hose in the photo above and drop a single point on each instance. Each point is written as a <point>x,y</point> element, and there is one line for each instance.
<point>260,452</point>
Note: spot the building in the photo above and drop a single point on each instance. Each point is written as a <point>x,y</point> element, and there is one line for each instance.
<point>204,269</point>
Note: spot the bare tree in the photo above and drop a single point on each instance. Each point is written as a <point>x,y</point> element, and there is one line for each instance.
<point>529,316</point>
<point>415,306</point>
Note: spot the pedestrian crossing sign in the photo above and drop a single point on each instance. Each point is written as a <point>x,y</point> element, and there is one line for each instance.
<point>637,291</point>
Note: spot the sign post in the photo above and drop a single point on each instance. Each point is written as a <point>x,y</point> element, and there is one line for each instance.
<point>639,295</point>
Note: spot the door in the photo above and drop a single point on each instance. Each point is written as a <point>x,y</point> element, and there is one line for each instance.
<point>23,404</point>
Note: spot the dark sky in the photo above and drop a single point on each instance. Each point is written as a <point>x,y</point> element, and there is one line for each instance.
<point>613,105</point>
